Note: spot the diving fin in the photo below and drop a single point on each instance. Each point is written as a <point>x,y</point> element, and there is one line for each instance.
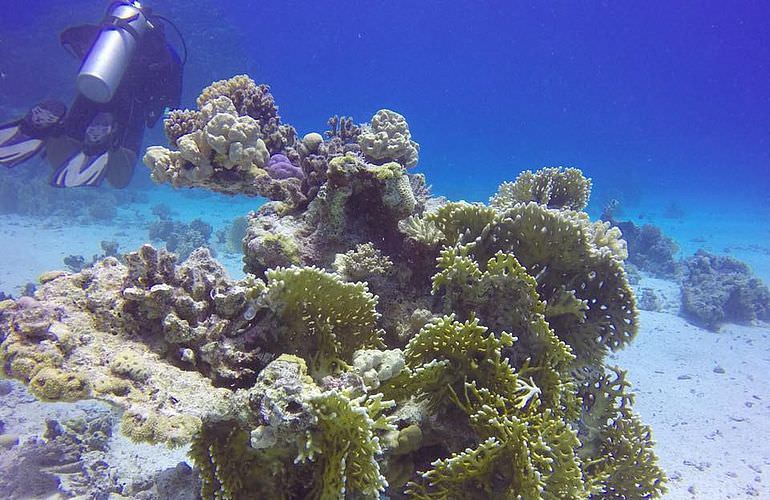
<point>8,132</point>
<point>15,146</point>
<point>81,170</point>
<point>77,40</point>
<point>22,139</point>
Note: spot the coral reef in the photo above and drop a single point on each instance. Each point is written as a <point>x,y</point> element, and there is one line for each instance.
<point>649,249</point>
<point>181,238</point>
<point>720,289</point>
<point>77,263</point>
<point>468,364</point>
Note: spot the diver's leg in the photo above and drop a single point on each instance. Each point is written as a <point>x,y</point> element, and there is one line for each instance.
<point>88,166</point>
<point>81,114</point>
<point>123,158</point>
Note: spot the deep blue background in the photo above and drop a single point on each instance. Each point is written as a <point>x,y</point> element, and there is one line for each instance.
<point>664,101</point>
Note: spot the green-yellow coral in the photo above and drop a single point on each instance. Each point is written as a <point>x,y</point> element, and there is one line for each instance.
<point>176,430</point>
<point>471,289</point>
<point>282,245</point>
<point>330,205</point>
<point>558,250</point>
<point>617,447</point>
<point>462,222</point>
<point>322,318</point>
<point>408,440</point>
<point>346,446</point>
<point>539,444</point>
<point>390,170</point>
<point>555,187</point>
<point>628,466</point>
<point>459,352</point>
<point>526,450</point>
<point>421,230</point>
<point>398,196</point>
<point>23,361</point>
<point>577,265</point>
<point>130,365</point>
<point>230,469</point>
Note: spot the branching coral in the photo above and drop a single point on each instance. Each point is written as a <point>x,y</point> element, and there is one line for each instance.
<point>181,122</point>
<point>249,99</point>
<point>621,463</point>
<point>345,445</point>
<point>577,265</point>
<point>526,453</point>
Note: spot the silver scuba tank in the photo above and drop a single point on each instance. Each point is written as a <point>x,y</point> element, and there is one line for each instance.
<point>104,65</point>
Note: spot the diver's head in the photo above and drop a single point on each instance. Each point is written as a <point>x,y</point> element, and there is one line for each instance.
<point>99,134</point>
<point>45,116</point>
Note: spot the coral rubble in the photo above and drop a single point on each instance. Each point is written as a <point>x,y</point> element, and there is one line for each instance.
<point>382,342</point>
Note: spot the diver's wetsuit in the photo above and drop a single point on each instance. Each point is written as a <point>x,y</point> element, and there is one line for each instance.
<point>152,82</point>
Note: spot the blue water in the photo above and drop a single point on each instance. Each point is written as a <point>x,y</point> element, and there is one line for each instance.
<point>660,99</point>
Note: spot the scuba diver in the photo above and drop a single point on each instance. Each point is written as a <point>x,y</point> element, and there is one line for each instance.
<point>128,76</point>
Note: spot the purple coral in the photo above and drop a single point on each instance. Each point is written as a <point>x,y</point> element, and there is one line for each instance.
<point>279,167</point>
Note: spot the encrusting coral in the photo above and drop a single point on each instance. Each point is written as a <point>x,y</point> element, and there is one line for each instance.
<point>383,342</point>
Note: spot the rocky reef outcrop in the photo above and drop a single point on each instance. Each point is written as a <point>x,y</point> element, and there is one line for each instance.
<point>382,342</point>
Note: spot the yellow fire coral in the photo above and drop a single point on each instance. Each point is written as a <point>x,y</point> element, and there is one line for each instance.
<point>324,319</point>
<point>555,187</point>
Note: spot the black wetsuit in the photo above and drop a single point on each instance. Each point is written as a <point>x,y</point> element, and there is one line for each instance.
<point>152,82</point>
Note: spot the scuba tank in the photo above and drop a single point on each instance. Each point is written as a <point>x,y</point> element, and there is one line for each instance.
<point>105,64</point>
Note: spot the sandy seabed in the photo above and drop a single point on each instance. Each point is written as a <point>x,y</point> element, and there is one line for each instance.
<point>705,394</point>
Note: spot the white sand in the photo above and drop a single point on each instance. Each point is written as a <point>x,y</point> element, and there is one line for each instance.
<point>706,397</point>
